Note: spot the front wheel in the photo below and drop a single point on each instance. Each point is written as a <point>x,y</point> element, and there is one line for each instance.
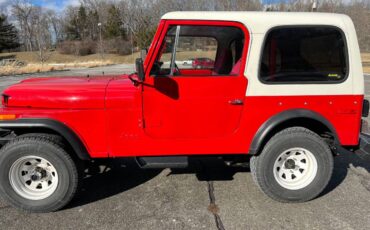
<point>294,166</point>
<point>37,174</point>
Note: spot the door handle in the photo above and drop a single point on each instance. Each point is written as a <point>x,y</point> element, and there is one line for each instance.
<point>236,102</point>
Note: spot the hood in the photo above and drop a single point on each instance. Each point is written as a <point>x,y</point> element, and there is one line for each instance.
<point>59,92</point>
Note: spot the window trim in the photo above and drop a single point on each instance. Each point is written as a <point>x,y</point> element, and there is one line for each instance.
<point>174,50</point>
<point>346,50</point>
<point>181,22</point>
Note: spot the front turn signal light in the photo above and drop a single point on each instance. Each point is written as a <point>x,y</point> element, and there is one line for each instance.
<point>7,117</point>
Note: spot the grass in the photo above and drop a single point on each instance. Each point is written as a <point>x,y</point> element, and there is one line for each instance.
<point>39,68</point>
<point>186,55</point>
<point>55,57</point>
<point>59,61</point>
<point>30,68</point>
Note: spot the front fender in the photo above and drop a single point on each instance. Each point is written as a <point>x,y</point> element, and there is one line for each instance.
<point>69,135</point>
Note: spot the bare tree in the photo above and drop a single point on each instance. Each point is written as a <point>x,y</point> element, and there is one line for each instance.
<point>42,34</point>
<point>35,25</point>
<point>55,22</point>
<point>23,11</point>
<point>138,18</point>
<point>360,14</point>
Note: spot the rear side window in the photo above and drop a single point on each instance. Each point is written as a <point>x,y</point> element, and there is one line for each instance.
<point>304,55</point>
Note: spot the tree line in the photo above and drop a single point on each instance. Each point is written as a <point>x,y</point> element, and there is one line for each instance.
<point>123,26</point>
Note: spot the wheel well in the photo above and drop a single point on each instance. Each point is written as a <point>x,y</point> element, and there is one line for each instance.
<point>314,125</point>
<point>17,131</point>
<point>31,125</point>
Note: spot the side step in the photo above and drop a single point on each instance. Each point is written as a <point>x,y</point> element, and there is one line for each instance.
<point>163,162</point>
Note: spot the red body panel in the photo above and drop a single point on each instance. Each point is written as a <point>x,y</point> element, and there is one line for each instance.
<point>196,72</point>
<point>88,124</point>
<point>336,109</point>
<point>127,136</point>
<point>57,93</point>
<point>170,116</point>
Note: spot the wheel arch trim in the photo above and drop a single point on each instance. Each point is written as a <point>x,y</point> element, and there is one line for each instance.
<point>62,129</point>
<point>269,125</point>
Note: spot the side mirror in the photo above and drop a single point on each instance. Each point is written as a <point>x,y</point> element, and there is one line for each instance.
<point>143,53</point>
<point>140,69</point>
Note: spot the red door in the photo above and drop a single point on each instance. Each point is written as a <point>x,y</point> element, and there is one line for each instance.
<point>193,104</point>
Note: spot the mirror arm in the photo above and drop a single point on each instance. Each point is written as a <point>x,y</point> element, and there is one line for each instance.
<point>134,81</point>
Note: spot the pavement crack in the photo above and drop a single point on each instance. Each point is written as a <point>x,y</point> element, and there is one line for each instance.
<point>213,208</point>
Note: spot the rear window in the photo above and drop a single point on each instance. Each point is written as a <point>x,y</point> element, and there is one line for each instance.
<point>304,54</point>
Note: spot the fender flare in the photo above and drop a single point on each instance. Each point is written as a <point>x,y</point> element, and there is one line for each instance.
<point>71,137</point>
<point>287,115</point>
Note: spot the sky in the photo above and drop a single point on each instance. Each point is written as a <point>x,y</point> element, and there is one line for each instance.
<point>57,5</point>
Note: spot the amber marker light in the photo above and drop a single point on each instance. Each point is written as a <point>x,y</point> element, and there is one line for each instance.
<point>7,117</point>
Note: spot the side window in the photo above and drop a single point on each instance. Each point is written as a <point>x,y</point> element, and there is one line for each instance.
<point>196,52</point>
<point>304,54</point>
<point>200,51</point>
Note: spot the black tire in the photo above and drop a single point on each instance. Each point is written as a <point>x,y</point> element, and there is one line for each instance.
<point>44,147</point>
<point>51,137</point>
<point>262,166</point>
<point>62,143</point>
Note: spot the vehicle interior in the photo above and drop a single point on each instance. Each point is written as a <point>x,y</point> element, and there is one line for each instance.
<point>200,51</point>
<point>304,54</point>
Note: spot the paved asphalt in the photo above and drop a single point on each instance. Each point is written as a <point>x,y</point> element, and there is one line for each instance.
<point>118,195</point>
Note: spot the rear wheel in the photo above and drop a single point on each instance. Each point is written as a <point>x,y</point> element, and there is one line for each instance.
<point>37,174</point>
<point>294,166</point>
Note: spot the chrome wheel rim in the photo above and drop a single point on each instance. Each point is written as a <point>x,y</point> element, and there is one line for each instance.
<point>295,168</point>
<point>33,177</point>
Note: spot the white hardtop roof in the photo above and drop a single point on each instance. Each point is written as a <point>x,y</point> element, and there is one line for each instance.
<point>261,22</point>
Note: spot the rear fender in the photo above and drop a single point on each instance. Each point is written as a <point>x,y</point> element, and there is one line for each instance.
<point>271,126</point>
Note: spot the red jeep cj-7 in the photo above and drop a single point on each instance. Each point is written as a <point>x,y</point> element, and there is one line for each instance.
<point>284,88</point>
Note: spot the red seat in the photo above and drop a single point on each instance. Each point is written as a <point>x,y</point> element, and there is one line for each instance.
<point>236,68</point>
